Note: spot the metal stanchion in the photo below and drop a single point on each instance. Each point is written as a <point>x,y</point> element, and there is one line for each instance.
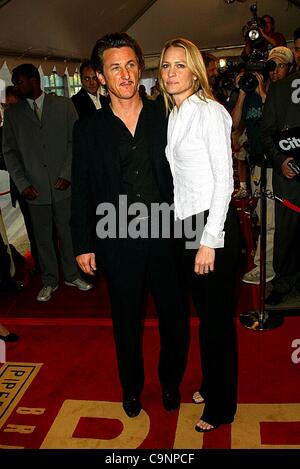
<point>261,319</point>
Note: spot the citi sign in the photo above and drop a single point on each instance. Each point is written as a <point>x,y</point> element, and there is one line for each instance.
<point>289,143</point>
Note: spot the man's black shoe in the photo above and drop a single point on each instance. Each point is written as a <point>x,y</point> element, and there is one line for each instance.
<point>275,298</point>
<point>11,286</point>
<point>132,407</point>
<point>11,337</point>
<point>171,399</point>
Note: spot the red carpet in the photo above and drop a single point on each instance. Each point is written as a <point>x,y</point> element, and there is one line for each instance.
<point>74,400</point>
<point>60,389</point>
<point>68,302</point>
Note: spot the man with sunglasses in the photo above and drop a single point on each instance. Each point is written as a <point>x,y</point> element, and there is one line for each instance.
<point>282,114</point>
<point>283,58</point>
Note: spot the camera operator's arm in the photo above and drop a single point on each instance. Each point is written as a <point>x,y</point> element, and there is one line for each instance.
<point>237,111</point>
<point>269,39</point>
<point>261,89</point>
<point>269,128</point>
<point>277,39</point>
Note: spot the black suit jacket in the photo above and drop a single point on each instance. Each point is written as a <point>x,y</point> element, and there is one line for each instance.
<point>84,105</point>
<point>279,112</point>
<point>96,176</point>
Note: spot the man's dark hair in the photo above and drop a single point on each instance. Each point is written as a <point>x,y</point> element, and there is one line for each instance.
<point>297,34</point>
<point>86,64</point>
<point>115,40</point>
<point>208,58</point>
<point>27,70</point>
<point>271,18</point>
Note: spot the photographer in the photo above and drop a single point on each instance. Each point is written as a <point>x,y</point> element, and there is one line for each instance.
<point>282,112</point>
<point>249,108</point>
<point>268,37</point>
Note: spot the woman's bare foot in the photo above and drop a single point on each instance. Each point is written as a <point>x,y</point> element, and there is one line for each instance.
<point>197,398</point>
<point>202,426</point>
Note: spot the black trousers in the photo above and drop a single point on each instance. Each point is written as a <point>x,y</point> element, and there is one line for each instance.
<point>286,257</point>
<point>214,298</point>
<point>152,263</point>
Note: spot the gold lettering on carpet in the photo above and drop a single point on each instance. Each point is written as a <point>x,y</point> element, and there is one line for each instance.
<point>186,437</point>
<point>15,378</point>
<point>24,429</point>
<point>245,432</point>
<point>60,434</point>
<point>11,447</point>
<point>30,410</point>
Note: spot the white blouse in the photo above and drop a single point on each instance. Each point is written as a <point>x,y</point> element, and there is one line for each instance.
<point>200,158</point>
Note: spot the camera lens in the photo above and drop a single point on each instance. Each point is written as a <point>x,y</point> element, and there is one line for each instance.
<point>270,65</point>
<point>248,82</point>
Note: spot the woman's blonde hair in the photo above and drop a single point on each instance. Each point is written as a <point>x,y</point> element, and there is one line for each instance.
<point>196,65</point>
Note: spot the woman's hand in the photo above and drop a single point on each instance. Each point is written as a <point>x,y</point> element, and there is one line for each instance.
<point>87,263</point>
<point>204,260</point>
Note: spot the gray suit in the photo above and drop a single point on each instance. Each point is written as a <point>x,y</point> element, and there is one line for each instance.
<point>37,153</point>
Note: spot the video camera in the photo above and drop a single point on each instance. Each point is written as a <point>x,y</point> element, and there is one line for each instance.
<point>251,29</point>
<point>257,61</point>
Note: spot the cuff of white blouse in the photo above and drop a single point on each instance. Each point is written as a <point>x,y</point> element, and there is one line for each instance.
<point>211,241</point>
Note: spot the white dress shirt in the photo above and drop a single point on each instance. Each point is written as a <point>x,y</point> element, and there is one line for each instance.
<point>96,99</point>
<point>39,101</point>
<point>200,158</point>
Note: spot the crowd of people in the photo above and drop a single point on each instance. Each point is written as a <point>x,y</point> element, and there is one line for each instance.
<point>114,146</point>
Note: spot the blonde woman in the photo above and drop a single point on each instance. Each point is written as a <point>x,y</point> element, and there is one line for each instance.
<point>199,154</point>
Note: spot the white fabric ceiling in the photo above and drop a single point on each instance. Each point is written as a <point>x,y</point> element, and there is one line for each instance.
<point>64,31</point>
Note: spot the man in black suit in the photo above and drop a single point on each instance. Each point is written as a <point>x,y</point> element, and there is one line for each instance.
<point>88,99</point>
<point>118,155</point>
<point>282,111</point>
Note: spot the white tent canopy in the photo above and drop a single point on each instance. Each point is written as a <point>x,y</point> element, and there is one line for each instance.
<point>62,32</point>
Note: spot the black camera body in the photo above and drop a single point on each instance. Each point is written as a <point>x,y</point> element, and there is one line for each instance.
<point>257,61</point>
<point>251,29</point>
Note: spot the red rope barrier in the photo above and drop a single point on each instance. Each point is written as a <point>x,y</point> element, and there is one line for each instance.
<point>289,204</point>
<point>4,193</point>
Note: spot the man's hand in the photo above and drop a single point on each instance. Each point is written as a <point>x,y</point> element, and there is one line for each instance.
<point>286,170</point>
<point>237,84</point>
<point>62,184</point>
<point>87,263</point>
<point>205,260</point>
<point>261,86</point>
<point>29,193</point>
